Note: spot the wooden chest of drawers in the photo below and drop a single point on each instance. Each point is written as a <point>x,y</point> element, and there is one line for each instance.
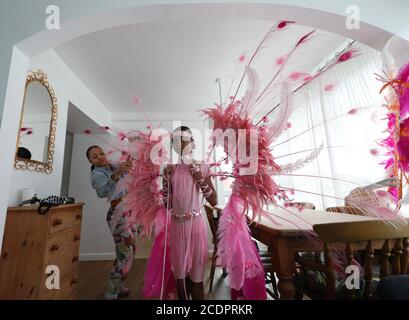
<point>32,242</point>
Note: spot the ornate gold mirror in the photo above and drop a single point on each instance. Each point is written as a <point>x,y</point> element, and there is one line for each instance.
<point>38,121</point>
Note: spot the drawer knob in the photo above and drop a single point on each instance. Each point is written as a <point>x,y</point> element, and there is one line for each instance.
<point>73,281</point>
<point>54,247</point>
<point>57,222</point>
<point>75,259</point>
<point>77,237</point>
<point>79,216</point>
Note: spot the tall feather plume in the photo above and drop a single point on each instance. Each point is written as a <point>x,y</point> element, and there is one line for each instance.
<point>279,27</point>
<point>284,112</point>
<point>144,196</point>
<point>266,91</point>
<point>344,55</point>
<point>250,95</point>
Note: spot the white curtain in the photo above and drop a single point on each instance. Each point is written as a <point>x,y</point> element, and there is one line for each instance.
<point>347,140</point>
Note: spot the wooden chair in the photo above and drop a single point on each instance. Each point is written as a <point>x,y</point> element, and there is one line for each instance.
<point>358,235</point>
<point>345,209</point>
<point>264,254</point>
<point>270,274</point>
<point>360,256</point>
<point>214,222</point>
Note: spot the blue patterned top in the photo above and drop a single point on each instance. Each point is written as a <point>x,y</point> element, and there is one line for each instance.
<point>103,184</point>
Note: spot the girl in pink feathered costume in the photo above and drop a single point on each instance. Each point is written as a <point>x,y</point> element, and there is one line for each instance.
<point>188,239</point>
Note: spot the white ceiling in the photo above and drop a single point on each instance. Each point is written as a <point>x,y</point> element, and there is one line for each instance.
<point>172,66</point>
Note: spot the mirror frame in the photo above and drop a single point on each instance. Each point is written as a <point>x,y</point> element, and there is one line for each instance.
<point>34,165</point>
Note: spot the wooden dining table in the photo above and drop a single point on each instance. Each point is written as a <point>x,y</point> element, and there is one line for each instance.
<point>290,232</point>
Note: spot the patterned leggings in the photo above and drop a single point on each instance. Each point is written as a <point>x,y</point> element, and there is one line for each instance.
<point>124,237</point>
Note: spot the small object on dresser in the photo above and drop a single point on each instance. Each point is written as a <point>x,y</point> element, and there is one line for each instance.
<point>31,201</point>
<point>53,201</point>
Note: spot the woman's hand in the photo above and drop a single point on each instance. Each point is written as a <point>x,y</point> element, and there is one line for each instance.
<point>123,168</point>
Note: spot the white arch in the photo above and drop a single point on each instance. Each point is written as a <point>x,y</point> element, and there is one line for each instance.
<point>368,34</point>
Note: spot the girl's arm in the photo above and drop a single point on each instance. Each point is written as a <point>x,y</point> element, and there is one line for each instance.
<point>205,184</point>
<point>212,198</point>
<point>166,186</point>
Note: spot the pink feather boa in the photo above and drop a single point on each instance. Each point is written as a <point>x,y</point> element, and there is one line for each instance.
<point>152,287</point>
<point>238,253</point>
<point>144,196</point>
<point>144,199</point>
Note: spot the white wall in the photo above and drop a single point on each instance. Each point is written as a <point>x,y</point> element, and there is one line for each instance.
<point>67,87</point>
<point>9,129</point>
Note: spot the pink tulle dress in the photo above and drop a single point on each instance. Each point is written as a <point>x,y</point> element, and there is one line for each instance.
<point>188,235</point>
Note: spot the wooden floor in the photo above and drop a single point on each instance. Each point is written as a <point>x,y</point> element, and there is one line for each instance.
<point>93,275</point>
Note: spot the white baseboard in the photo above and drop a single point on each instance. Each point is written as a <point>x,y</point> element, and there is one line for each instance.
<point>97,256</point>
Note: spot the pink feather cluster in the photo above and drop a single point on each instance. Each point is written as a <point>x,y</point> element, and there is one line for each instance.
<point>398,140</point>
<point>403,145</point>
<point>389,142</point>
<point>390,146</point>
<point>144,196</point>
<point>257,189</point>
<point>403,94</point>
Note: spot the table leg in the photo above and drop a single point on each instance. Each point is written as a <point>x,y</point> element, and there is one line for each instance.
<point>285,267</point>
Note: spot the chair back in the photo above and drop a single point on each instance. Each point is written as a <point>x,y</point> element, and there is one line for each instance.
<point>213,219</point>
<point>390,237</point>
<point>345,209</point>
<point>356,231</point>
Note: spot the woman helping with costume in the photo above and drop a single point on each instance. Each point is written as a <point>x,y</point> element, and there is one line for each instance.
<point>106,179</point>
